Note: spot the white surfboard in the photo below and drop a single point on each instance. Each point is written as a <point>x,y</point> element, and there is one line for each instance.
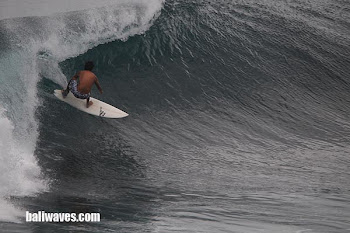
<point>98,108</point>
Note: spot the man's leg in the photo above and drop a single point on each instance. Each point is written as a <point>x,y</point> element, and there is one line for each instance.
<point>88,102</point>
<point>65,92</point>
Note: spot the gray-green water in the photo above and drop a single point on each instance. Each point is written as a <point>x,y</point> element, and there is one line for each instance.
<point>239,117</point>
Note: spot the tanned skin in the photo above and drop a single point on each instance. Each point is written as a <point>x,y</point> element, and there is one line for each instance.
<point>86,80</point>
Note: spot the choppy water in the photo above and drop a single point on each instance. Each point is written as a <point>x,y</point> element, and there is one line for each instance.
<point>239,117</point>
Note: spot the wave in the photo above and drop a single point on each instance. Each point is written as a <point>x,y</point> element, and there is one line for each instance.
<point>32,48</point>
<point>11,9</point>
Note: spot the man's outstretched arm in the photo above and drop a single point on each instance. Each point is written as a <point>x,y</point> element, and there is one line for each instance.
<point>98,85</point>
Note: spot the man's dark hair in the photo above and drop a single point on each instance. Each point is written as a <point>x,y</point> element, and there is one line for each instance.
<point>89,65</point>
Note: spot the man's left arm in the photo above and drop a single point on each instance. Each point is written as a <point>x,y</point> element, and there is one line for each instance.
<point>98,85</point>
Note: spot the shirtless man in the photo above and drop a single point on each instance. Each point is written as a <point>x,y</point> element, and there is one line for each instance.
<point>82,89</point>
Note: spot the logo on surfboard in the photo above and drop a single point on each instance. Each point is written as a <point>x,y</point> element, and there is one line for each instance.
<point>102,113</point>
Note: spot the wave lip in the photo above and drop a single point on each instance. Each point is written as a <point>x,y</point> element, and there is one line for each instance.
<point>17,9</point>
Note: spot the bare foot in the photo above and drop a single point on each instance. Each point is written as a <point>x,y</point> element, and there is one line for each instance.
<point>64,93</point>
<point>89,104</point>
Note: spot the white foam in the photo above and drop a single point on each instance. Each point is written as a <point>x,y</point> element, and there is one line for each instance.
<point>20,175</point>
<point>20,8</point>
<point>9,213</point>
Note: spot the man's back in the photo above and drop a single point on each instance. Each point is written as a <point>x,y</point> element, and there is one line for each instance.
<point>86,80</point>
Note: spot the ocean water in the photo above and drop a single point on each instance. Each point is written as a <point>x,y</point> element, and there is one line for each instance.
<point>239,117</point>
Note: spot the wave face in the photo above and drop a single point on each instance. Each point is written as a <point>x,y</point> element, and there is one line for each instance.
<point>238,116</point>
<point>32,48</point>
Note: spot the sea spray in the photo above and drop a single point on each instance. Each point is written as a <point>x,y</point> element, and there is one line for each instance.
<point>20,175</point>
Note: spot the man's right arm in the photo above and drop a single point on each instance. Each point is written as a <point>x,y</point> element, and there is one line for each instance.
<point>98,85</point>
<point>76,75</point>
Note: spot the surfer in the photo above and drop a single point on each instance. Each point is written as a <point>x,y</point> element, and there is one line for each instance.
<point>82,89</point>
